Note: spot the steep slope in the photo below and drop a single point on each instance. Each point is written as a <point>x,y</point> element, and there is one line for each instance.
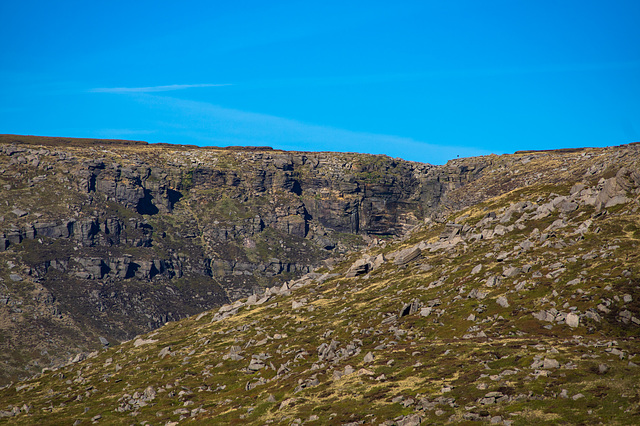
<point>102,240</point>
<point>521,308</point>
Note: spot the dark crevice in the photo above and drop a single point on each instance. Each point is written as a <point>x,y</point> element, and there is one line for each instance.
<point>145,205</point>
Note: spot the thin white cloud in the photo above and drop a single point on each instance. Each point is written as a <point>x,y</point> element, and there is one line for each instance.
<point>207,124</point>
<point>152,89</point>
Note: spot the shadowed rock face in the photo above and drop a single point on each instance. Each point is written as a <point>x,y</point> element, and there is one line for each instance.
<point>123,237</point>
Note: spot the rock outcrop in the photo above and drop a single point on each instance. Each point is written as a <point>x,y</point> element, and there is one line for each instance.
<point>110,239</point>
<point>127,235</point>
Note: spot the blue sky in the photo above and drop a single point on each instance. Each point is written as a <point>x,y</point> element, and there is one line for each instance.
<point>421,80</point>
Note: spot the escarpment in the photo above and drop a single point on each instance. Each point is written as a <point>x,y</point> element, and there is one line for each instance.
<point>515,301</point>
<point>125,236</point>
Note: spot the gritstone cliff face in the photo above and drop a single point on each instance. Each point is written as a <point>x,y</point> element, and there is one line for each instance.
<point>517,301</point>
<point>103,240</point>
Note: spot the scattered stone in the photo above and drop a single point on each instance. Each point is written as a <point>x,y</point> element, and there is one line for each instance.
<point>577,188</point>
<point>410,308</point>
<point>140,342</point>
<point>164,352</point>
<point>256,364</point>
<point>568,206</point>
<point>407,255</point>
<point>365,372</point>
<point>19,212</point>
<point>297,305</point>
<point>477,294</point>
<point>409,420</point>
<point>149,394</point>
<point>502,256</point>
<point>360,267</point>
<point>502,301</point>
<point>493,281</point>
<point>425,312</point>
<point>79,357</point>
<point>572,320</point>
<point>511,272</point>
<point>526,245</point>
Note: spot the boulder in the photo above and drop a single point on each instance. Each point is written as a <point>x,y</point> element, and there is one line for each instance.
<point>54,230</point>
<point>425,312</point>
<point>139,342</point>
<point>568,206</point>
<point>410,308</point>
<point>297,305</point>
<point>164,352</point>
<point>407,255</point>
<point>256,364</point>
<point>511,272</point>
<point>477,294</point>
<point>615,189</point>
<point>360,267</point>
<point>572,320</point>
<point>502,301</point>
<point>19,212</point>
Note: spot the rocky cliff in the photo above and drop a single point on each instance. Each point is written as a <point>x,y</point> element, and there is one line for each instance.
<point>515,302</point>
<point>102,240</point>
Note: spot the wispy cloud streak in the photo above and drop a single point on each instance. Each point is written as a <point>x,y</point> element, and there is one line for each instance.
<point>204,123</point>
<point>152,89</point>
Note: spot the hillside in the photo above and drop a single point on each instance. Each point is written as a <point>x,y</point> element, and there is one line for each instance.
<point>514,298</point>
<point>101,240</point>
